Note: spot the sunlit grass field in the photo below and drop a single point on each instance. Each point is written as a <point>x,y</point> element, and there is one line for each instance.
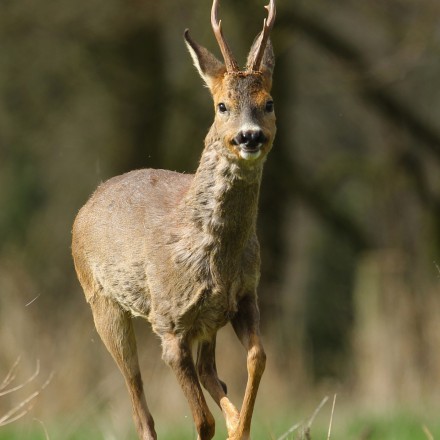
<point>399,426</point>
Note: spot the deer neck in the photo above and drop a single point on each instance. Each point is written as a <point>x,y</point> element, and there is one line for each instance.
<point>222,200</point>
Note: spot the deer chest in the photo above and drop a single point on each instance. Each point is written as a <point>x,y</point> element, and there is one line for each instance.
<point>211,309</point>
<point>198,309</point>
<point>204,292</point>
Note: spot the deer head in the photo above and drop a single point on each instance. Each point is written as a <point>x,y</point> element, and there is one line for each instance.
<point>244,111</point>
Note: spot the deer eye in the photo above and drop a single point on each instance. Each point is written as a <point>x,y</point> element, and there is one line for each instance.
<point>269,106</point>
<point>222,107</point>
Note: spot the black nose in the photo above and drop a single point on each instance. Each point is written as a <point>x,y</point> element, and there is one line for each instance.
<point>251,139</point>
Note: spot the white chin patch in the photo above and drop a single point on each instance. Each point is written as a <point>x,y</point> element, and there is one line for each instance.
<point>248,155</point>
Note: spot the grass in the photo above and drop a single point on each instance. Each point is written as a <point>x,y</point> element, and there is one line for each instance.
<point>398,426</point>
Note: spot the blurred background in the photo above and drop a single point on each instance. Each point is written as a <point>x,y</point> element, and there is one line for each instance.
<point>349,215</point>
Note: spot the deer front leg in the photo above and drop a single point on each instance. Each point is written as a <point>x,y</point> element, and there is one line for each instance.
<point>115,327</point>
<point>217,389</point>
<point>246,326</point>
<point>177,354</point>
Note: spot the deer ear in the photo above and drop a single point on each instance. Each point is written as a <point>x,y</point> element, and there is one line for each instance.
<point>209,67</point>
<point>268,61</point>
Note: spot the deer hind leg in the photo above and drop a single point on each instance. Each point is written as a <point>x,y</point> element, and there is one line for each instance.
<point>217,389</point>
<point>116,330</point>
<point>177,354</point>
<point>246,326</point>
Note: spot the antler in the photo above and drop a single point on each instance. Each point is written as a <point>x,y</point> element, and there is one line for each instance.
<point>231,64</point>
<point>264,35</point>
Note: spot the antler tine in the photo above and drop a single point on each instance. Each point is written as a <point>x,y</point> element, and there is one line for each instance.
<point>264,36</point>
<point>231,64</point>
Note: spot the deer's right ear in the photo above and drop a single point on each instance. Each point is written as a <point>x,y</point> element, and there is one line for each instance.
<point>209,67</point>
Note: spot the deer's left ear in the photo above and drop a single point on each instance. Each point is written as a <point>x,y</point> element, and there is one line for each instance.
<point>267,62</point>
<point>209,67</point>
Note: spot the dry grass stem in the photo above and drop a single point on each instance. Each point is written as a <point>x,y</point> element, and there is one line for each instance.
<point>43,426</point>
<point>292,429</point>
<point>24,406</point>
<point>331,418</point>
<point>427,432</point>
<point>305,432</point>
<point>316,412</point>
<point>10,377</point>
<point>32,301</point>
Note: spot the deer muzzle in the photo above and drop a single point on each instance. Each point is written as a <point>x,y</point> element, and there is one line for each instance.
<point>249,143</point>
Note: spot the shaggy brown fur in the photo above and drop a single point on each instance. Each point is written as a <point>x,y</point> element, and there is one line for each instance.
<point>181,251</point>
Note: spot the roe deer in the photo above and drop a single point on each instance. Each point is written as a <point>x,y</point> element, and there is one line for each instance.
<point>181,250</point>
